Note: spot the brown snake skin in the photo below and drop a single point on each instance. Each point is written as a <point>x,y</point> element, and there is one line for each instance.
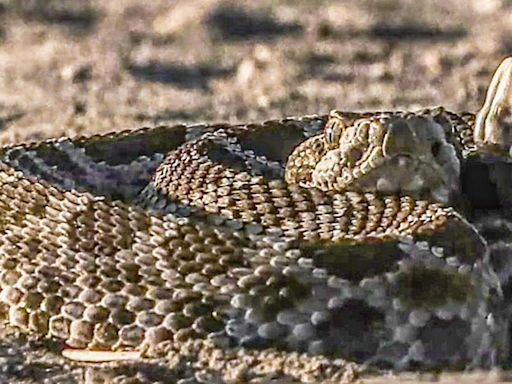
<point>340,236</point>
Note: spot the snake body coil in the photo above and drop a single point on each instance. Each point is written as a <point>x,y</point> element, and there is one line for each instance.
<point>345,235</point>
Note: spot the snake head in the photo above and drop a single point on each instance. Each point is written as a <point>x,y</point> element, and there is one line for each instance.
<point>405,154</point>
<point>493,125</point>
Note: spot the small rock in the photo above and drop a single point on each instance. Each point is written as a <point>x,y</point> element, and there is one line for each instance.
<point>181,16</point>
<point>77,73</point>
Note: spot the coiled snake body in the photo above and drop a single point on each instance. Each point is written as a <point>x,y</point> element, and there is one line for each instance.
<point>347,235</point>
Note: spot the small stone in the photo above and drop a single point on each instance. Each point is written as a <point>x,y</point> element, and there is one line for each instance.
<point>180,17</point>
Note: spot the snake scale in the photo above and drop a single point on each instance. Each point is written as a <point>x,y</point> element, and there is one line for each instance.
<point>296,243</point>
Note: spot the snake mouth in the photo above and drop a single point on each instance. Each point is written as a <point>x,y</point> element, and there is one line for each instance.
<point>427,178</point>
<point>433,175</point>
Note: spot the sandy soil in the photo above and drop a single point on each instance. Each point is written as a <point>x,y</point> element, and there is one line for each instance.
<point>84,67</point>
<point>77,67</point>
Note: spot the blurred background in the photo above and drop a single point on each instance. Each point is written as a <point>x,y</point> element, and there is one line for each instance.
<point>85,66</point>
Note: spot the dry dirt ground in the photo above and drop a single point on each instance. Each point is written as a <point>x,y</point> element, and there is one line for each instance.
<point>83,67</point>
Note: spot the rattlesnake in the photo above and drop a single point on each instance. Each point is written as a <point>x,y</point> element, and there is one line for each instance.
<point>343,235</point>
